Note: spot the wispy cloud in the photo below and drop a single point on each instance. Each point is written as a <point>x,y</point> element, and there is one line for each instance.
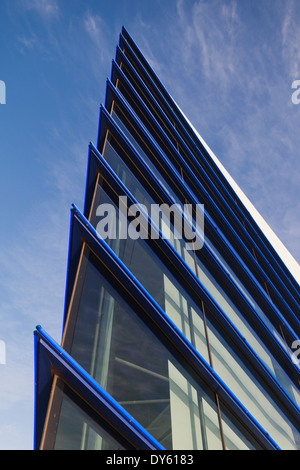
<point>229,70</point>
<point>47,9</point>
<point>93,25</point>
<point>204,45</point>
<point>28,42</point>
<point>291,39</point>
<point>97,30</point>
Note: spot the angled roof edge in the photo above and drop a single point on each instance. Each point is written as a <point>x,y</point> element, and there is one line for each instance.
<point>289,261</point>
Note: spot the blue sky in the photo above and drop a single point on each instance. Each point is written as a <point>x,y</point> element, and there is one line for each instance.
<point>229,65</point>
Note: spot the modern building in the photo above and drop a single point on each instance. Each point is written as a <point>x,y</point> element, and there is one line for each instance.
<point>166,345</point>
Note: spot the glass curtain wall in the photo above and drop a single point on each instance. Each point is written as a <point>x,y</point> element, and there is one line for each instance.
<point>194,324</point>
<point>129,361</point>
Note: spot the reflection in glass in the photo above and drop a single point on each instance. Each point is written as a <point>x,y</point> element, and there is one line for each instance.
<point>77,431</point>
<point>145,158</point>
<point>115,346</point>
<point>231,368</point>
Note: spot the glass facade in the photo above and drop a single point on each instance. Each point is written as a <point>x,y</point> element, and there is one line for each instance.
<point>191,346</point>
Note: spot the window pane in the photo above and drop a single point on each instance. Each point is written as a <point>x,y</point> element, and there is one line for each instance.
<point>145,158</point>
<point>77,431</point>
<point>141,195</point>
<point>113,344</point>
<point>251,393</point>
<point>247,331</point>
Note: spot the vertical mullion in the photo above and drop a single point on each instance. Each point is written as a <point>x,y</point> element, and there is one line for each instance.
<point>207,338</point>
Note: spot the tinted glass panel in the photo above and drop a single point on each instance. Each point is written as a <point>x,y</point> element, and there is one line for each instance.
<point>78,431</point>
